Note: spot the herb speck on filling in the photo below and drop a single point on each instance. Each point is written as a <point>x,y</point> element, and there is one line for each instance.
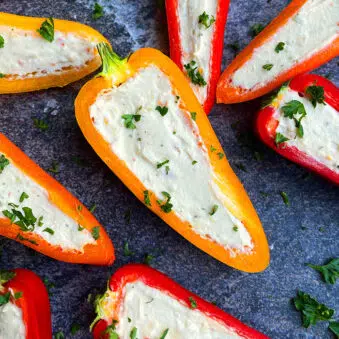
<point>96,232</point>
<point>291,110</point>
<point>147,199</point>
<point>279,47</point>
<point>3,163</point>
<point>162,110</point>
<point>164,334</point>
<point>214,210</point>
<point>160,164</point>
<point>128,120</point>
<point>194,74</point>
<point>206,20</point>
<point>2,42</point>
<point>279,139</point>
<point>165,205</point>
<point>193,302</point>
<point>316,95</point>
<point>194,116</point>
<point>267,67</point>
<point>46,30</point>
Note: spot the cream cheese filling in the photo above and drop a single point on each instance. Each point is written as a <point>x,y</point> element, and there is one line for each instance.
<point>196,39</point>
<point>27,54</point>
<point>66,233</point>
<point>11,322</point>
<point>188,175</point>
<point>312,28</point>
<point>321,126</point>
<point>152,311</point>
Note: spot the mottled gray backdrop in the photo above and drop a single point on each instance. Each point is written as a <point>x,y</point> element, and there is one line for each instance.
<point>306,231</point>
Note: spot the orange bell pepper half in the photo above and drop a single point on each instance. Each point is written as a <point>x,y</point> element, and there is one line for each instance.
<point>38,53</point>
<point>25,304</point>
<point>142,118</point>
<point>40,213</point>
<point>302,37</point>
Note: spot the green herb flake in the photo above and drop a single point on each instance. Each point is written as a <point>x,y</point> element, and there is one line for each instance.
<point>96,232</point>
<point>75,328</point>
<point>194,116</point>
<point>165,205</point>
<point>206,20</point>
<point>40,124</point>
<point>148,259</point>
<point>46,29</point>
<point>212,148</point>
<point>48,230</point>
<point>291,110</point>
<point>316,95</point>
<point>133,334</point>
<point>256,29</point>
<point>23,196</point>
<point>3,163</point>
<point>93,208</point>
<point>2,75</point>
<point>4,298</point>
<point>25,219</point>
<point>194,162</point>
<point>279,47</point>
<point>280,138</point>
<point>59,335</point>
<point>127,251</point>
<point>311,310</point>
<point>2,42</point>
<point>194,74</point>
<point>329,272</point>
<point>18,295</point>
<point>213,210</point>
<point>162,110</point>
<point>40,223</point>
<point>128,120</point>
<point>80,228</point>
<point>220,155</point>
<point>193,302</point>
<point>235,228</point>
<point>54,168</point>
<point>6,276</point>
<point>267,67</point>
<point>98,11</point>
<point>164,334</point>
<point>160,164</point>
<point>334,327</point>
<point>285,198</point>
<point>49,285</point>
<point>147,199</point>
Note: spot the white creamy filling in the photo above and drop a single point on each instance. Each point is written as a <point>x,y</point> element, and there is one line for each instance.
<point>321,126</point>
<point>151,312</point>
<point>311,29</point>
<point>174,137</point>
<point>13,182</point>
<point>11,322</point>
<point>196,39</point>
<point>28,54</point>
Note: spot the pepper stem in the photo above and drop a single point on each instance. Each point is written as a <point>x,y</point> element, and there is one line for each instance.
<point>112,63</point>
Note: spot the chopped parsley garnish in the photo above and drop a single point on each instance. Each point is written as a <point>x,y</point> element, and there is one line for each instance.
<point>164,334</point>
<point>311,310</point>
<point>110,330</point>
<point>193,302</point>
<point>49,285</point>
<point>280,138</point>
<point>160,164</point>
<point>165,205</point>
<point>194,162</point>
<point>334,327</point>
<point>23,196</point>
<point>41,124</point>
<point>98,11</point>
<point>220,155</point>
<point>162,110</point>
<point>194,74</point>
<point>6,276</point>
<point>3,162</point>
<point>75,328</point>
<point>167,169</point>
<point>316,94</point>
<point>18,295</point>
<point>46,29</point>
<point>26,220</point>
<point>280,47</point>
<point>21,238</point>
<point>293,108</point>
<point>148,258</point>
<point>206,20</point>
<point>96,232</point>
<point>330,271</point>
<point>59,335</point>
<point>80,228</point>
<point>40,223</point>
<point>93,208</point>
<point>147,199</point>
<point>194,116</point>
<point>285,198</point>
<point>267,67</point>
<point>2,75</point>
<point>129,120</point>
<point>54,168</point>
<point>133,334</point>
<point>48,230</point>
<point>235,228</point>
<point>127,251</point>
<point>213,210</point>
<point>2,42</point>
<point>256,29</point>
<point>212,148</point>
<point>4,299</point>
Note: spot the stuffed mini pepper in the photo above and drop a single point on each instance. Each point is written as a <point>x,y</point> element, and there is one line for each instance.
<point>141,302</point>
<point>302,123</point>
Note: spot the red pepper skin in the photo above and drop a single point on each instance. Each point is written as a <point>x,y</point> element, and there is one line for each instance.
<point>153,278</point>
<point>34,303</point>
<point>266,125</point>
<point>176,52</point>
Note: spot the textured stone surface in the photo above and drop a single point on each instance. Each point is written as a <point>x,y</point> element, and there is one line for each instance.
<point>307,231</point>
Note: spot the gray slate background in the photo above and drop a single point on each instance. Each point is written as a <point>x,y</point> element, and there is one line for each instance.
<point>306,231</point>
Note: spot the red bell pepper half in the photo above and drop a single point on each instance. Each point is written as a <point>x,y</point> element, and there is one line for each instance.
<point>110,305</point>
<point>319,91</point>
<point>25,290</point>
<point>197,26</point>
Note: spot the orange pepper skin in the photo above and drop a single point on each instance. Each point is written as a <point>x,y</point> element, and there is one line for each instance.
<point>99,253</point>
<point>60,79</point>
<point>240,205</point>
<point>229,94</point>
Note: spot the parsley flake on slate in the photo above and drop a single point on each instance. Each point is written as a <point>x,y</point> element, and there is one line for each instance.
<point>213,210</point>
<point>316,94</point>
<point>96,232</point>
<point>148,258</point>
<point>98,11</point>
<point>160,164</point>
<point>164,334</point>
<point>40,123</point>
<point>193,302</point>
<point>267,67</point>
<point>280,138</point>
<point>75,328</point>
<point>3,162</point>
<point>206,20</point>
<point>330,271</point>
<point>127,251</point>
<point>49,285</point>
<point>256,29</point>
<point>129,120</point>
<point>285,198</point>
<point>194,74</point>
<point>311,310</point>
<point>2,42</point>
<point>165,205</point>
<point>194,116</point>
<point>46,29</point>
<point>54,168</point>
<point>147,199</point>
<point>60,335</point>
<point>280,47</point>
<point>162,110</point>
